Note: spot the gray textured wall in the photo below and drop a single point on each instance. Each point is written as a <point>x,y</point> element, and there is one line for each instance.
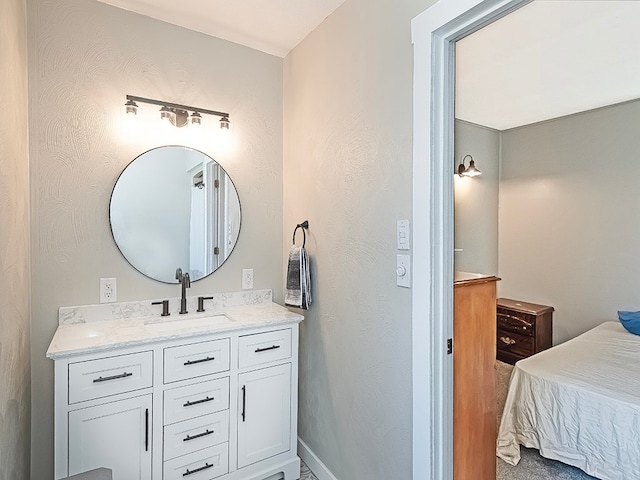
<point>84,57</point>
<point>569,205</point>
<point>476,199</point>
<point>348,170</point>
<point>14,245</point>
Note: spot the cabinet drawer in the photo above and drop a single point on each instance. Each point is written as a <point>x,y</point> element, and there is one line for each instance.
<point>202,465</point>
<point>196,360</point>
<point>515,343</point>
<point>110,376</point>
<point>195,434</point>
<point>516,322</point>
<point>196,400</point>
<point>264,348</point>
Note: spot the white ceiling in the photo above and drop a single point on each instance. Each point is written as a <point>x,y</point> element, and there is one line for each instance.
<point>274,26</point>
<point>549,59</point>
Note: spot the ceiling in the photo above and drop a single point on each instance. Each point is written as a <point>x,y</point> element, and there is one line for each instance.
<point>549,59</point>
<point>274,26</point>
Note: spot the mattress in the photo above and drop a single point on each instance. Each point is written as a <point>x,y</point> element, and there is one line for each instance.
<point>579,403</point>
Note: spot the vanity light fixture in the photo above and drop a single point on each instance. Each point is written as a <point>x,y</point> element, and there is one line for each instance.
<point>176,114</point>
<point>471,170</point>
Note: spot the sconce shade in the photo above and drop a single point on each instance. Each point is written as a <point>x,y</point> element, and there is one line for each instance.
<point>195,119</point>
<point>166,114</point>
<point>471,170</point>
<point>224,123</point>
<point>131,107</point>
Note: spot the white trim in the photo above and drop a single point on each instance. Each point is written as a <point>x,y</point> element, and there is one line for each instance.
<point>434,33</point>
<point>318,468</point>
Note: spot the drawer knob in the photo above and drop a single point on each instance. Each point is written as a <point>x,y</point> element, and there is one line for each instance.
<point>258,350</point>
<point>507,340</point>
<point>191,472</point>
<point>112,377</point>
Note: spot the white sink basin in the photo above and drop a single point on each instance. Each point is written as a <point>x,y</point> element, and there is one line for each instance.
<point>189,319</point>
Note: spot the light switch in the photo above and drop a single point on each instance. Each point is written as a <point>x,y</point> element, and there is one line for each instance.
<point>402,234</point>
<point>403,271</point>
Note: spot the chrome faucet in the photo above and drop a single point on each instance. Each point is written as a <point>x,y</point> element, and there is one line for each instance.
<point>185,281</point>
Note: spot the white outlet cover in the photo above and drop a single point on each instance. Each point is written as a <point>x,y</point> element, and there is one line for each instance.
<point>108,290</point>
<point>247,278</point>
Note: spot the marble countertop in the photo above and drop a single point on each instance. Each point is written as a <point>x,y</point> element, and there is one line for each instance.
<point>91,337</point>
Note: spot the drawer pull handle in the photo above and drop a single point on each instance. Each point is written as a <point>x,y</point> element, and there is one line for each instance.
<point>258,350</point>
<point>193,437</point>
<point>507,340</point>
<point>113,377</point>
<point>190,472</point>
<point>197,402</point>
<point>244,402</point>
<point>193,362</point>
<point>146,430</point>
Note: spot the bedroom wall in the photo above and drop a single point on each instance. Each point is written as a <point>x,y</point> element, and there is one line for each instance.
<point>476,199</point>
<point>84,57</point>
<point>568,216</point>
<point>348,170</point>
<point>15,257</point>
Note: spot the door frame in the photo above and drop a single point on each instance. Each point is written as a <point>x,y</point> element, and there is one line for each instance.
<point>434,33</point>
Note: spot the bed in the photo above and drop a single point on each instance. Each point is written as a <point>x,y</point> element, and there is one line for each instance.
<point>579,403</point>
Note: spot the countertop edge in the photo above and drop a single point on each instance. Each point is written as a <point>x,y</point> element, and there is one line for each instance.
<point>243,321</point>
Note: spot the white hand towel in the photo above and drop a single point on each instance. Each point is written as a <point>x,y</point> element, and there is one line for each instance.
<point>298,292</point>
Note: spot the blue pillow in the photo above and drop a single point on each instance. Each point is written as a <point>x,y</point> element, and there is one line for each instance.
<point>630,321</point>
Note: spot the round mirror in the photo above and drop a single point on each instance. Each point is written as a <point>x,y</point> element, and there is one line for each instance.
<point>175,207</point>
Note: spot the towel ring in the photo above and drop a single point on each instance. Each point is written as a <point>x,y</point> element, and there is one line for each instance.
<point>304,225</point>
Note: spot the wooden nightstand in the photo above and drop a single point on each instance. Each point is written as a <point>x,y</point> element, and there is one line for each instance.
<point>523,329</point>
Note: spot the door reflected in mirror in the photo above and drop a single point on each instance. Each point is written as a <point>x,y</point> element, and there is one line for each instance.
<point>175,207</point>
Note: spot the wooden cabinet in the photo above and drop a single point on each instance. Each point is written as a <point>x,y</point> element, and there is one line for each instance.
<point>116,434</point>
<point>474,353</point>
<point>523,329</point>
<point>213,406</point>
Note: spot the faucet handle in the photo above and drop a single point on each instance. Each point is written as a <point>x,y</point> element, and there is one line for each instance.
<point>165,307</point>
<point>201,303</point>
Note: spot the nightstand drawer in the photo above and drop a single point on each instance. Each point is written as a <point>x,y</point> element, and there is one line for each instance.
<point>516,322</point>
<point>515,343</point>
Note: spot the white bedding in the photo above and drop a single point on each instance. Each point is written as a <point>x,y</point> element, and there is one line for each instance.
<point>579,403</point>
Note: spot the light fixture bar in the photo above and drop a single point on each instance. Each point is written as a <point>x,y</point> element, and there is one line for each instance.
<point>176,106</point>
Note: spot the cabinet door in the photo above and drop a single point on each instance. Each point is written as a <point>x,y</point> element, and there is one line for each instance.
<point>264,421</point>
<point>115,435</point>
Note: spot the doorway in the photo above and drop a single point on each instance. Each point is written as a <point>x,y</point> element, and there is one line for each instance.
<point>434,33</point>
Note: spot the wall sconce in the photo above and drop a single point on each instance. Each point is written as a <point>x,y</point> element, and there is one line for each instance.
<point>176,114</point>
<point>471,170</point>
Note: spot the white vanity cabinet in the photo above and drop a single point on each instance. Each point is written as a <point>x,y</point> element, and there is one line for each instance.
<point>115,434</point>
<point>211,405</point>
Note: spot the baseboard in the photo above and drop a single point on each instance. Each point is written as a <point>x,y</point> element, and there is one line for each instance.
<point>318,468</point>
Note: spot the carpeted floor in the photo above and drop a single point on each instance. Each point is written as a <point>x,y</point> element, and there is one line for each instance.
<point>532,465</point>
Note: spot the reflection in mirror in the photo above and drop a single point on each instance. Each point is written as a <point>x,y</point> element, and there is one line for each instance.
<point>175,207</point>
